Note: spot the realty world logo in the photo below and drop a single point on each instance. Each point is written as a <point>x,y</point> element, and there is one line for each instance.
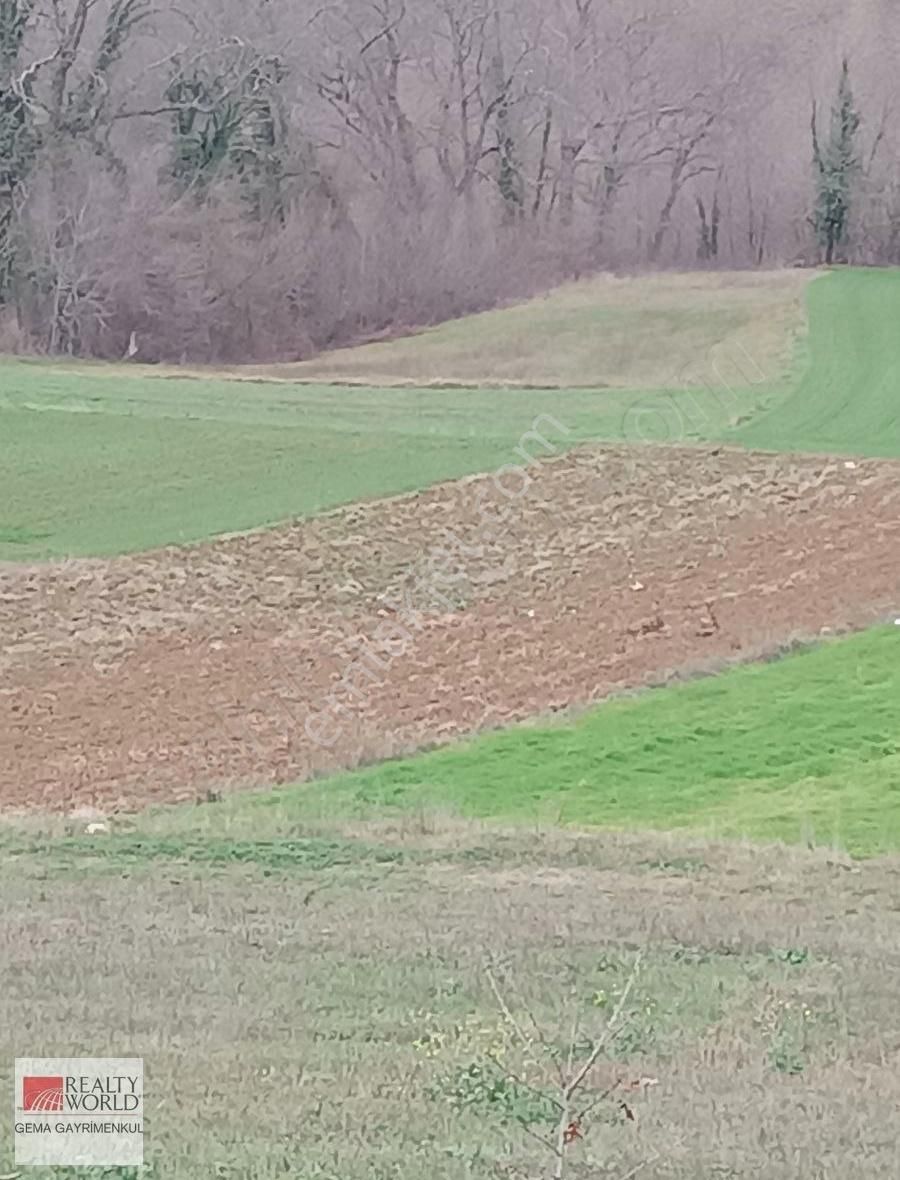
<point>42,1094</point>
<point>82,1110</point>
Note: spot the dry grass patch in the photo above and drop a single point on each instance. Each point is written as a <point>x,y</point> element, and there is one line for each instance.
<point>332,1016</point>
<point>634,332</point>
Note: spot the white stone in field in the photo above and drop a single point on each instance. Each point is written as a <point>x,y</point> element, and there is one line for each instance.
<point>850,465</point>
<point>97,829</point>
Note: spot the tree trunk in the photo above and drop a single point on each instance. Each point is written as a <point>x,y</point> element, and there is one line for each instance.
<point>665,216</point>
<point>541,178</point>
<point>568,153</point>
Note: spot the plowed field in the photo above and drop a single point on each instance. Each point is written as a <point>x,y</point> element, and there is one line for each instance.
<point>158,677</point>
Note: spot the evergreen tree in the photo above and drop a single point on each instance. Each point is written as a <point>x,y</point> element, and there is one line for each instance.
<point>837,165</point>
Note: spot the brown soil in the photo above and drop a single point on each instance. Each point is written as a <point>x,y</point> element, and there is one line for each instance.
<point>157,677</point>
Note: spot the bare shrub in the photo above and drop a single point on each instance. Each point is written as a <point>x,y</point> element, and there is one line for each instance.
<point>256,183</point>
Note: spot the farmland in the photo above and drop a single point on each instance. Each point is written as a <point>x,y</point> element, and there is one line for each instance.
<point>159,676</point>
<point>100,461</point>
<point>794,750</point>
<point>104,460</point>
<point>544,673</point>
<point>319,1005</point>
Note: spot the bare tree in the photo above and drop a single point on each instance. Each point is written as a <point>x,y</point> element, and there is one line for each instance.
<point>271,179</point>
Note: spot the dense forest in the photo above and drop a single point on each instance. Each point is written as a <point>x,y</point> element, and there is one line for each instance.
<point>229,180</point>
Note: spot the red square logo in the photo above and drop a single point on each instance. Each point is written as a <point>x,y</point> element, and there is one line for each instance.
<point>42,1093</point>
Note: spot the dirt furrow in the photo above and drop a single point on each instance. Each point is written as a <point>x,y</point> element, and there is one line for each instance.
<point>385,626</point>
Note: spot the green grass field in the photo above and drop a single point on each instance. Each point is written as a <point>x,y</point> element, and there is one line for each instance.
<point>310,974</point>
<point>109,464</point>
<point>804,748</point>
<point>102,460</point>
<point>331,981</point>
<point>847,395</point>
<point>318,1006</point>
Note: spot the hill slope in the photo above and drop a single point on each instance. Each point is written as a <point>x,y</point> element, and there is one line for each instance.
<point>326,1010</point>
<point>643,332</point>
<point>847,398</point>
<point>99,460</point>
<point>801,748</point>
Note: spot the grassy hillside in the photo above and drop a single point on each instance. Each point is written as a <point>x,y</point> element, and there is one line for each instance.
<point>807,748</point>
<point>644,332</point>
<point>102,460</point>
<point>96,465</point>
<point>316,1004</point>
<point>847,397</point>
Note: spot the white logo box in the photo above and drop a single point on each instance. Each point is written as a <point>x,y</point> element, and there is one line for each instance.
<point>79,1110</point>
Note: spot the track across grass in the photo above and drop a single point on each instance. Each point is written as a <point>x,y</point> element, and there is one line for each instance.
<point>804,748</point>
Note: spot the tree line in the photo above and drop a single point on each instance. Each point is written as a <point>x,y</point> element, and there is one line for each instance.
<point>230,181</point>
